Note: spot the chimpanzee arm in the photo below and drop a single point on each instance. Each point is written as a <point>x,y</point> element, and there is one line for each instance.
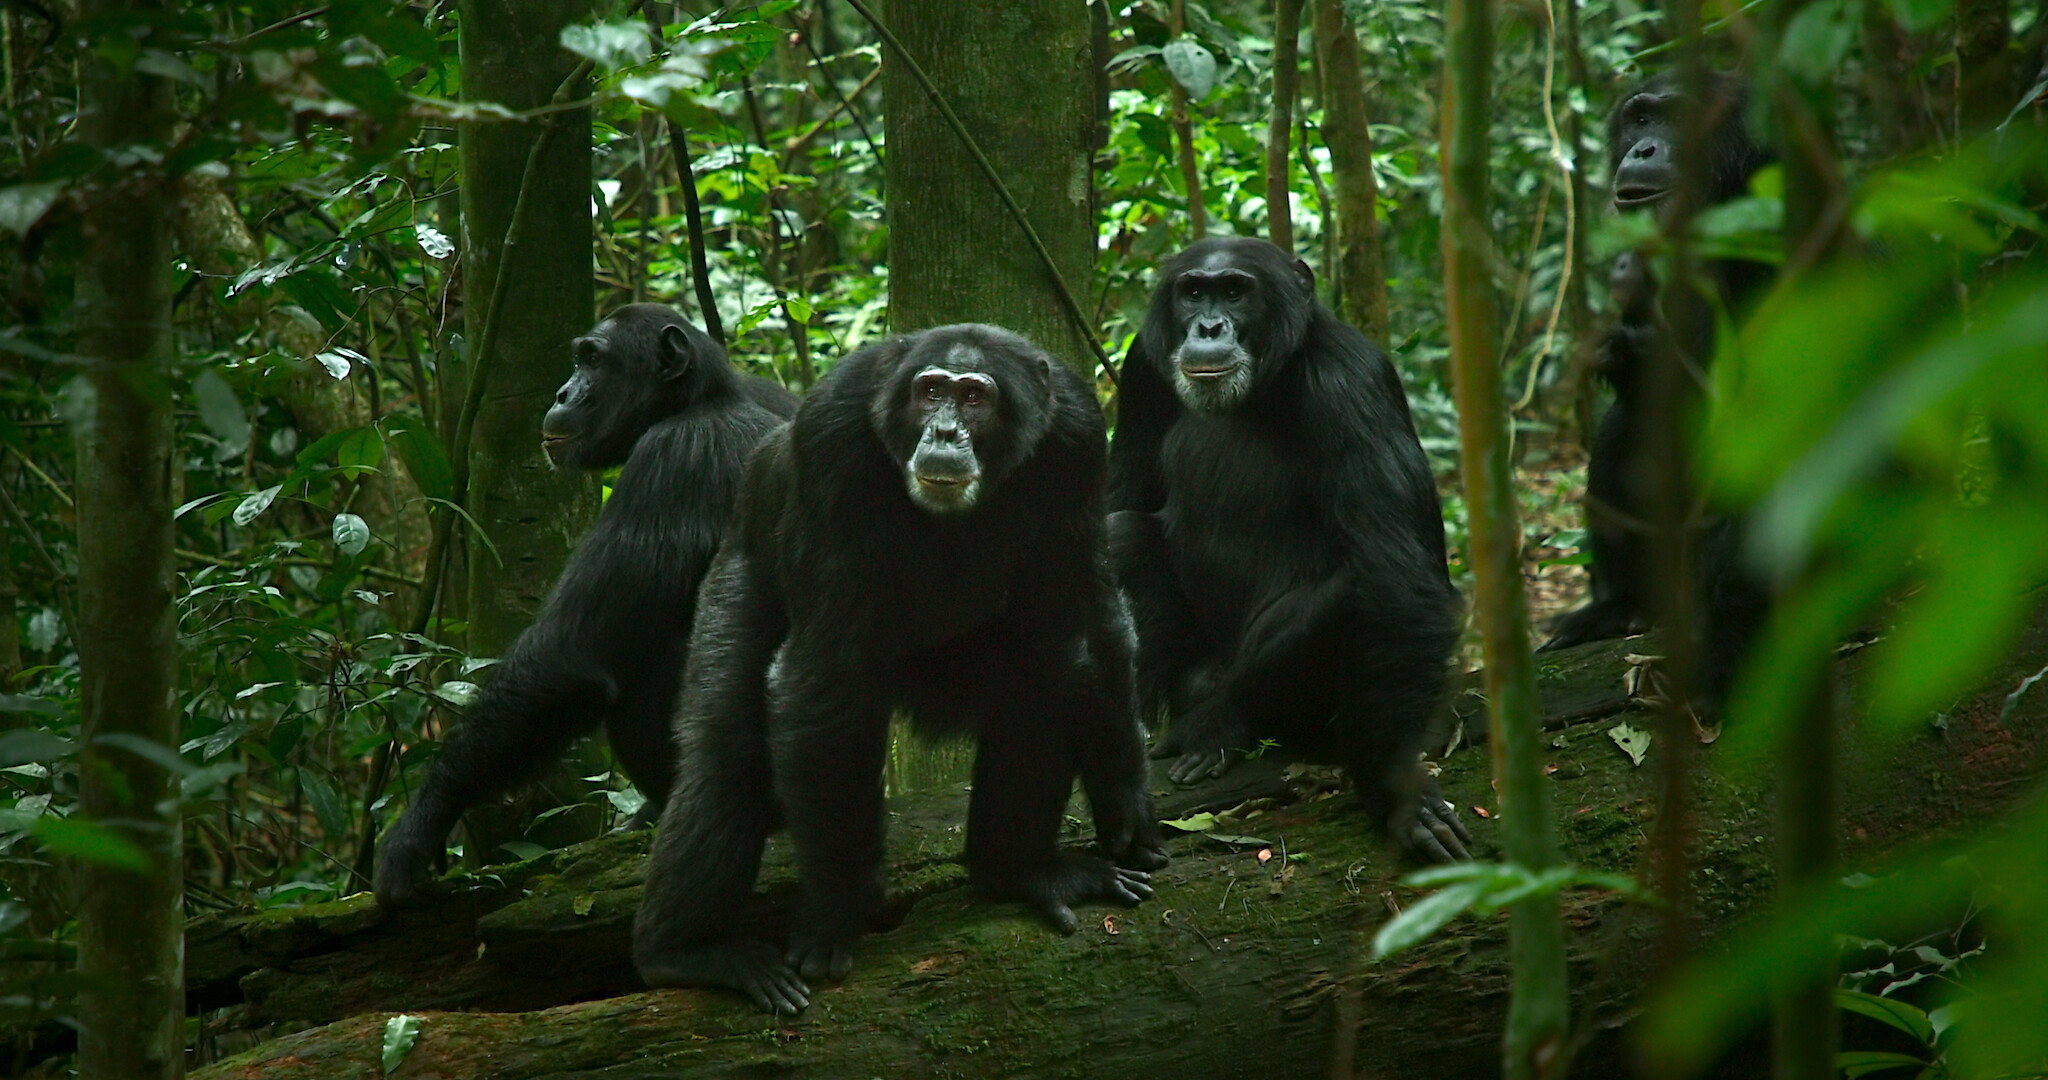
<point>538,699</point>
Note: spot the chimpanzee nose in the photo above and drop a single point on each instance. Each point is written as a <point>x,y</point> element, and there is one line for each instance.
<point>562,396</point>
<point>1644,149</point>
<point>1209,328</point>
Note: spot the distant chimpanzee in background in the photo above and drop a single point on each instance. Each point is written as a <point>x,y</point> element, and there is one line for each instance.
<point>1643,133</point>
<point>653,393</point>
<point>925,536</point>
<point>1278,531</point>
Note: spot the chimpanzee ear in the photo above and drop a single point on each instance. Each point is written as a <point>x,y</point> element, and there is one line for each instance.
<point>675,349</point>
<point>1308,275</point>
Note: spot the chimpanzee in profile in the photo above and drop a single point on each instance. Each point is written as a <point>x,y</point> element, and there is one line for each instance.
<point>1643,133</point>
<point>654,394</point>
<point>926,535</point>
<point>1277,529</point>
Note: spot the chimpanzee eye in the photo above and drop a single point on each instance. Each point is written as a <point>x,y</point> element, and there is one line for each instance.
<point>1194,293</point>
<point>931,391</point>
<point>972,397</point>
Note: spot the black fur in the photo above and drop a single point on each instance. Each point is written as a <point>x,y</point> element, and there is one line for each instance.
<point>1643,133</point>
<point>1276,527</point>
<point>847,593</point>
<point>653,393</point>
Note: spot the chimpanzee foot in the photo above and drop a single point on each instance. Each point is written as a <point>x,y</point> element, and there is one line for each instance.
<point>753,968</point>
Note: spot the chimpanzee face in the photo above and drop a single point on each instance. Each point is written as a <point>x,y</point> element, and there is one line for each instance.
<point>1644,136</point>
<point>954,412</point>
<point>1217,307</point>
<point>629,369</point>
<point>957,415</point>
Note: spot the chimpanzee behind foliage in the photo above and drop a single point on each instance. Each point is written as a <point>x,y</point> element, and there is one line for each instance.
<point>1643,135</point>
<point>1276,527</point>
<point>654,394</point>
<point>925,536</point>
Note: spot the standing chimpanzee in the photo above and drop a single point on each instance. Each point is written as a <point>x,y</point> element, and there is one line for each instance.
<point>1621,476</point>
<point>1278,531</point>
<point>653,393</point>
<point>925,536</point>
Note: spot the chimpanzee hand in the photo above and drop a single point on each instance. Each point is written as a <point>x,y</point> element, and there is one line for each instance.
<point>409,863</point>
<point>1429,831</point>
<point>1054,887</point>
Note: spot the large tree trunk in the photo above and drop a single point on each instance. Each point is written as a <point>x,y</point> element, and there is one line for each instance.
<point>1021,78</point>
<point>130,921</point>
<point>1240,966</point>
<point>532,514</point>
<point>1361,270</point>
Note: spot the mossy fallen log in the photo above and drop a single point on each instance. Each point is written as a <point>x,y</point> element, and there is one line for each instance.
<point>1249,961</point>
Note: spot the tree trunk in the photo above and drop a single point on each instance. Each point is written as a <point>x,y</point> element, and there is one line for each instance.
<point>1361,270</point>
<point>1280,127</point>
<point>1020,77</point>
<point>1984,64</point>
<point>131,922</point>
<point>530,513</point>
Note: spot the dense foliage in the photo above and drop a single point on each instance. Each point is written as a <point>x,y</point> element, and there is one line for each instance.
<point>1894,438</point>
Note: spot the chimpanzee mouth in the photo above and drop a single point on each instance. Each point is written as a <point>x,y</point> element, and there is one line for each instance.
<point>947,481</point>
<point>1631,196</point>
<point>1208,373</point>
<point>555,442</point>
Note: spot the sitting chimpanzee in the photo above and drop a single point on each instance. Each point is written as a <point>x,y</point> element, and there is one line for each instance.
<point>1622,474</point>
<point>653,393</point>
<point>1277,530</point>
<point>926,535</point>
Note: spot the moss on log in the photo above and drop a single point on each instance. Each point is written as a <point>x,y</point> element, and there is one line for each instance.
<point>1249,961</point>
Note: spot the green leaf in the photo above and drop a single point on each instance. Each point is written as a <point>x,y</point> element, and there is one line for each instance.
<point>456,692</point>
<point>1634,742</point>
<point>1856,1063</point>
<point>1819,37</point>
<point>220,410</point>
<point>90,841</point>
<point>609,45</point>
<point>1425,916</point>
<point>326,804</point>
<point>421,452</point>
<point>1202,822</point>
<point>351,534</point>
<point>1896,1014</point>
<point>400,1033</point>
<point>22,205</point>
<point>361,452</point>
<point>526,850</point>
<point>29,744</point>
<point>254,505</point>
<point>1193,66</point>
